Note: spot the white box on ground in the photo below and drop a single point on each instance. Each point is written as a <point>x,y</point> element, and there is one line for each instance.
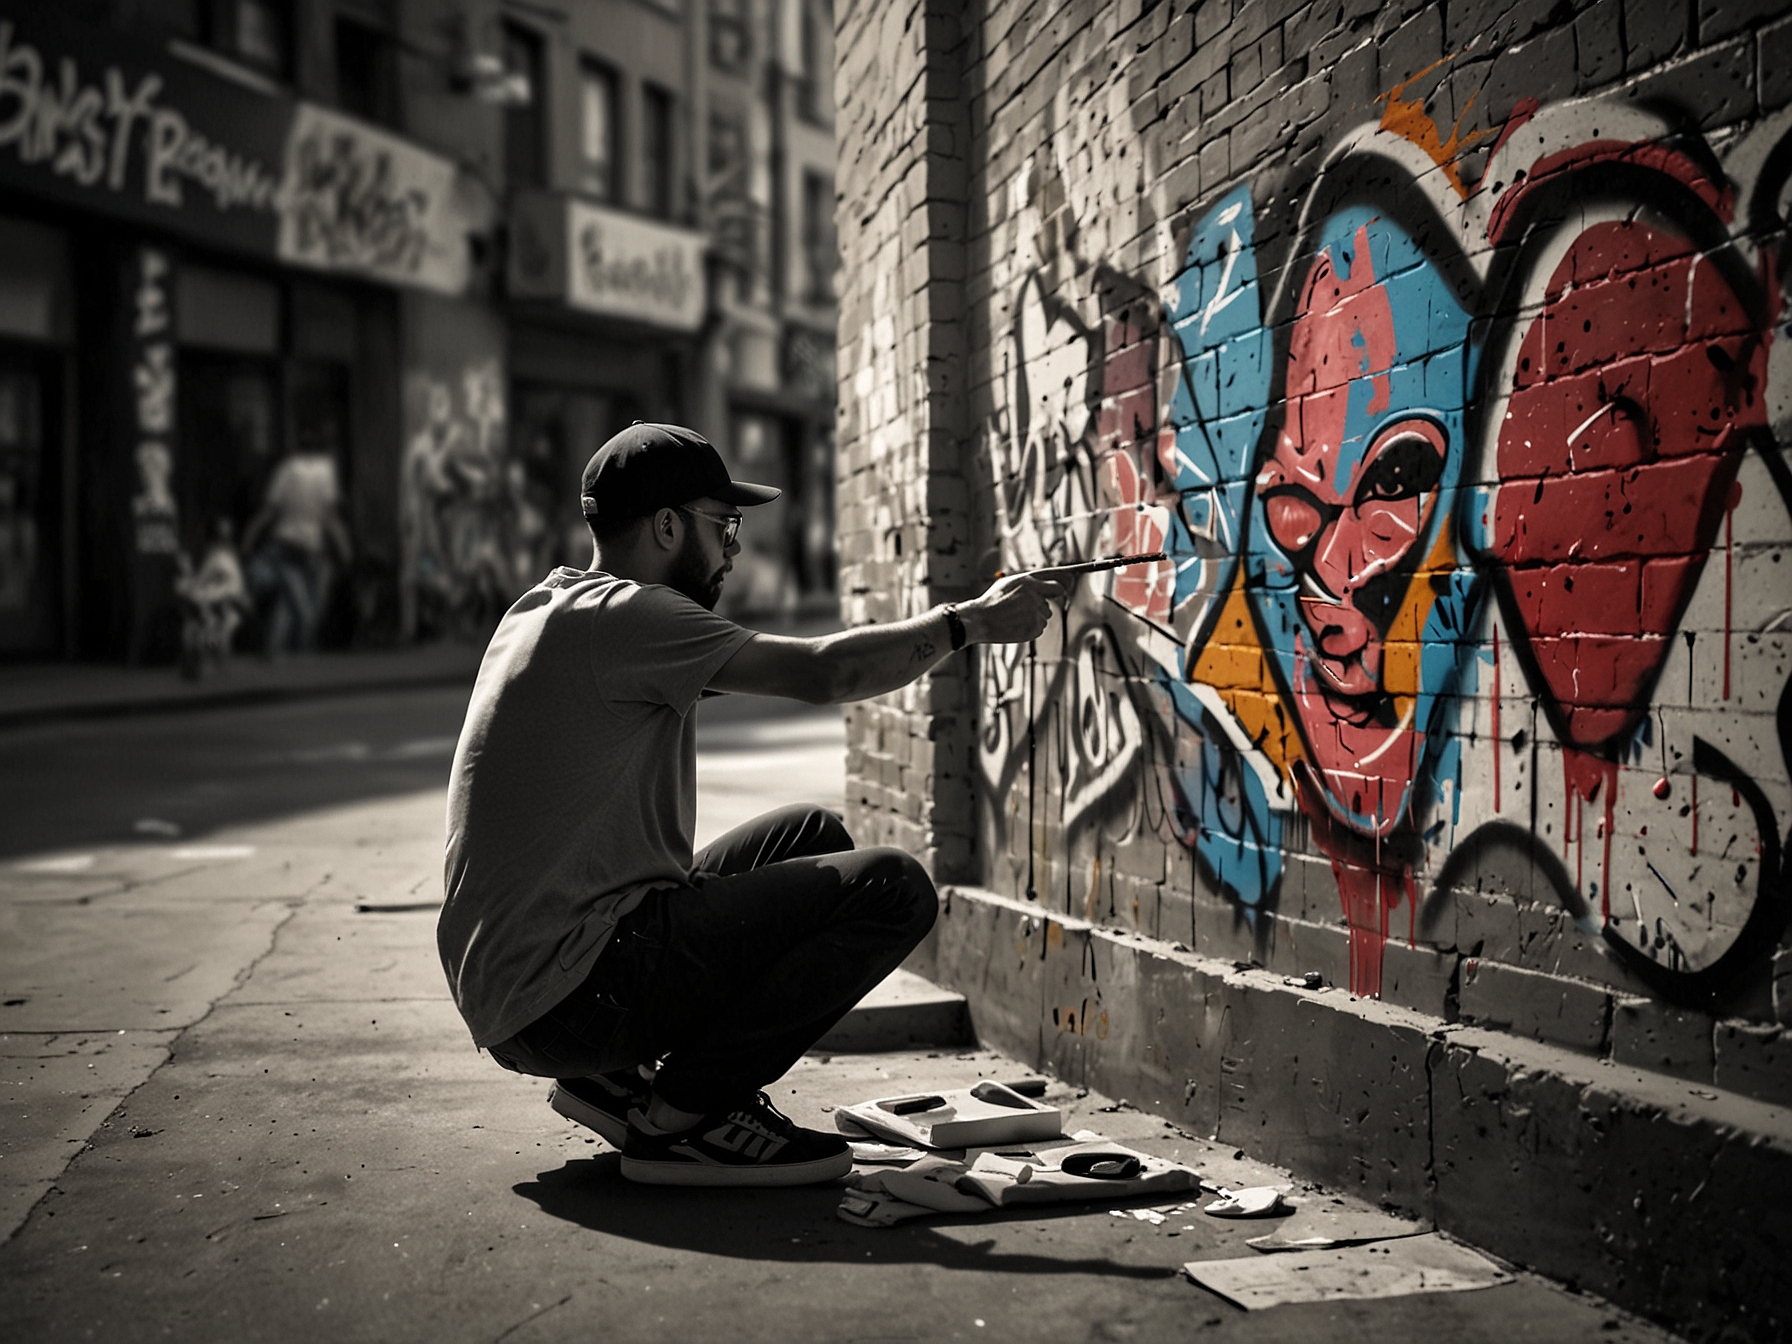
<point>970,1117</point>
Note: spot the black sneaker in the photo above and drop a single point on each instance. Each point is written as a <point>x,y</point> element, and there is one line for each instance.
<point>750,1145</point>
<point>602,1103</point>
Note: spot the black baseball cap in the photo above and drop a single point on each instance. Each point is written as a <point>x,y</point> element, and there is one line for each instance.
<point>646,468</point>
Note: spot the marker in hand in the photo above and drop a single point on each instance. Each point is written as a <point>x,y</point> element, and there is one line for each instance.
<point>1088,566</point>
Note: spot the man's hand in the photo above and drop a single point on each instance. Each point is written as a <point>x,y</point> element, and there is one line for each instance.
<point>1013,610</point>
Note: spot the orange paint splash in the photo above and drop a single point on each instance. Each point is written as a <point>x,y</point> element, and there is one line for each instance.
<point>1408,119</point>
<point>1232,661</point>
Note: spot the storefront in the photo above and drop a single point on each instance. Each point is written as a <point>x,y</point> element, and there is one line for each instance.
<point>198,282</point>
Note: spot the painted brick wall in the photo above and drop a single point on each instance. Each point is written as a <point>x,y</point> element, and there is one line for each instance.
<point>1443,349</point>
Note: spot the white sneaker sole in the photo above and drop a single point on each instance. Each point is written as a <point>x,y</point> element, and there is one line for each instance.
<point>611,1130</point>
<point>771,1173</point>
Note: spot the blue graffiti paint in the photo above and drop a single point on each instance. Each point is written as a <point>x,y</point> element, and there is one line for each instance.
<point>1217,407</point>
<point>1216,415</point>
<point>1223,810</point>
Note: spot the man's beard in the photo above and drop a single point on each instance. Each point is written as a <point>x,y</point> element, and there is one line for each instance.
<point>694,578</point>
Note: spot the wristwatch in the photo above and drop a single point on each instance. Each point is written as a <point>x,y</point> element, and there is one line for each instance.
<point>955,623</point>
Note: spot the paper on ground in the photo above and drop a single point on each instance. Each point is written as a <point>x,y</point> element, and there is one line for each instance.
<point>1399,1268</point>
<point>1325,1223</point>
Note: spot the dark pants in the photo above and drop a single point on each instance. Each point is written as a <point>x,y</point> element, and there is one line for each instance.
<point>783,928</point>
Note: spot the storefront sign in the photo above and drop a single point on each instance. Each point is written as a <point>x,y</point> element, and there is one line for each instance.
<point>357,199</point>
<point>92,121</point>
<point>108,124</point>
<point>156,525</point>
<point>605,261</point>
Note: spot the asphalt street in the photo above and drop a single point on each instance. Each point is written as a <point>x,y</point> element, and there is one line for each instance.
<point>237,1104</point>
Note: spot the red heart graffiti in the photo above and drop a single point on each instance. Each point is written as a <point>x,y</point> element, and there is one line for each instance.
<point>1631,395</point>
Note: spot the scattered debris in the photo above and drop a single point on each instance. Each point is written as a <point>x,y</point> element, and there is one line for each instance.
<point>872,1153</point>
<point>1090,1167</point>
<point>1259,1201</point>
<point>1311,980</point>
<point>1396,1268</point>
<point>1322,1226</point>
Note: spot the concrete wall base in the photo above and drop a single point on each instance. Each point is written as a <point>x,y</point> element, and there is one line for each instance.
<point>1672,1199</point>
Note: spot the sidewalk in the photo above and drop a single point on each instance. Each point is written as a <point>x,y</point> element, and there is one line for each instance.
<point>48,692</point>
<point>310,1148</point>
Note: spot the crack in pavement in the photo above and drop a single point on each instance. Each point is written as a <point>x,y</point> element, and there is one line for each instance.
<point>534,1315</point>
<point>169,1050</point>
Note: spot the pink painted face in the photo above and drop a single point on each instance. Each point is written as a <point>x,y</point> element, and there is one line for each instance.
<point>1348,497</point>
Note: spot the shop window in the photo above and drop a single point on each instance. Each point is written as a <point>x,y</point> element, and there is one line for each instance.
<point>525,139</point>
<point>226,310</point>
<point>366,72</point>
<point>599,169</point>
<point>821,253</point>
<point>230,440</point>
<point>27,551</point>
<point>659,151</point>
<point>728,35</point>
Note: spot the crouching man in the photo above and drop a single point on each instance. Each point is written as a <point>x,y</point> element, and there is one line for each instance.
<point>582,938</point>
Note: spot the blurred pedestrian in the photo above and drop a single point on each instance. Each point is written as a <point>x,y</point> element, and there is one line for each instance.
<point>214,599</point>
<point>297,539</point>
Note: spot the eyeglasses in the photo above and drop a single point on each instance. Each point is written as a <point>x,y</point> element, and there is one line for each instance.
<point>730,522</point>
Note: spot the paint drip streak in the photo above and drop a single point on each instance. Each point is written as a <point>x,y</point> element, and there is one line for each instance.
<point>1496,719</point>
<point>1729,551</point>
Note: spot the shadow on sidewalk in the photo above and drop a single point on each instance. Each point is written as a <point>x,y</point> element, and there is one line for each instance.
<point>796,1226</point>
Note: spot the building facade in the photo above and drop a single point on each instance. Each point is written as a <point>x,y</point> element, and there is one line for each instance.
<point>1419,817</point>
<point>447,246</point>
<point>671,256</point>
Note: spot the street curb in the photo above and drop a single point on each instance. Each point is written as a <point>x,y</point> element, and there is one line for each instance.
<point>1668,1198</point>
<point>900,1014</point>
<point>222,698</point>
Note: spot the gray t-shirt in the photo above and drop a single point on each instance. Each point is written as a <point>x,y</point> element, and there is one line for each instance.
<point>574,787</point>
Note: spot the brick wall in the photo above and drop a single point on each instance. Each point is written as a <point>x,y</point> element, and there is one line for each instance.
<point>1443,351</point>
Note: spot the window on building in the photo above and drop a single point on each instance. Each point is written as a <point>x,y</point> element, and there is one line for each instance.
<point>809,82</point>
<point>658,151</point>
<point>728,35</point>
<point>525,141</point>
<point>821,253</point>
<point>600,172</point>
<point>366,72</point>
<point>256,32</point>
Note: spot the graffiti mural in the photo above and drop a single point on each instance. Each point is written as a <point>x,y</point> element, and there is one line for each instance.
<point>1466,453</point>
<point>457,504</point>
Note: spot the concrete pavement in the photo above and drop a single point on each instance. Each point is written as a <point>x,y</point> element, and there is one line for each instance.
<point>253,1114</point>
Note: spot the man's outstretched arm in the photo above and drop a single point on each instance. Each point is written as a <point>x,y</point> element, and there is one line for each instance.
<point>872,659</point>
